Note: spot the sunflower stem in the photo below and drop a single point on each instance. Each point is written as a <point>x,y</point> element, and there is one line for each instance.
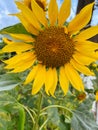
<point>36,125</point>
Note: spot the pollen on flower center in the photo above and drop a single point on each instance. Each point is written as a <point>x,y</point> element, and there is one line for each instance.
<point>53,47</point>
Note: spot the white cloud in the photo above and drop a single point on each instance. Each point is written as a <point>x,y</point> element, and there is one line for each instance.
<point>5,9</point>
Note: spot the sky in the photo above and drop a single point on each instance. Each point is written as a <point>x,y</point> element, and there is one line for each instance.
<point>5,9</point>
<point>10,7</point>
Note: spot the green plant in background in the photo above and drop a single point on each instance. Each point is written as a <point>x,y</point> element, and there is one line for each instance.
<point>43,56</point>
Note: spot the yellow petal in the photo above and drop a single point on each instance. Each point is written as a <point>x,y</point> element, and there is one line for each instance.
<point>81,68</point>
<point>96,96</point>
<point>23,37</point>
<point>28,14</point>
<point>52,89</point>
<point>7,41</point>
<point>64,83</point>
<point>82,59</point>
<point>18,65</point>
<point>17,47</point>
<point>92,54</point>
<point>88,48</point>
<point>27,2</point>
<point>28,26</point>
<point>86,45</point>
<point>88,33</point>
<point>19,58</point>
<point>74,77</point>
<point>53,12</point>
<point>64,12</point>
<point>49,80</point>
<point>32,74</point>
<point>65,29</point>
<point>39,13</point>
<point>39,80</point>
<point>23,65</point>
<point>81,19</point>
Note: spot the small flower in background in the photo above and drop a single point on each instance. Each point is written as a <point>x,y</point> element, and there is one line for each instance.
<point>81,96</point>
<point>53,51</point>
<point>96,95</point>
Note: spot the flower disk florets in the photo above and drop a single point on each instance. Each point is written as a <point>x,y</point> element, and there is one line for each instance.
<point>53,47</point>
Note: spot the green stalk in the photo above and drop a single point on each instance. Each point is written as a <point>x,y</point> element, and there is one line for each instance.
<point>57,106</point>
<point>36,125</point>
<point>30,114</point>
<point>21,121</point>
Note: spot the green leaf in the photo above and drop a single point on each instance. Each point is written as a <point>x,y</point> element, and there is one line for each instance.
<point>9,81</point>
<point>17,28</point>
<point>53,115</point>
<point>57,120</point>
<point>83,119</point>
<point>6,99</point>
<point>80,121</point>
<point>63,125</point>
<point>4,120</point>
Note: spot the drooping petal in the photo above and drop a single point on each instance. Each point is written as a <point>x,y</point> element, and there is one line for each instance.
<point>17,47</point>
<point>64,12</point>
<point>28,26</point>
<point>29,15</point>
<point>39,12</point>
<point>88,33</point>
<point>81,68</point>
<point>32,74</point>
<point>53,12</point>
<point>82,59</point>
<point>81,19</point>
<point>74,77</point>
<point>23,37</point>
<point>52,89</point>
<point>64,82</point>
<point>49,80</point>
<point>39,80</point>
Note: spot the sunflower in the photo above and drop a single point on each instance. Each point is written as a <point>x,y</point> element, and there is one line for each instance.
<point>53,52</point>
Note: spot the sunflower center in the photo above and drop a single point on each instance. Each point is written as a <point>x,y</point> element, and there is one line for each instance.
<point>53,47</point>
